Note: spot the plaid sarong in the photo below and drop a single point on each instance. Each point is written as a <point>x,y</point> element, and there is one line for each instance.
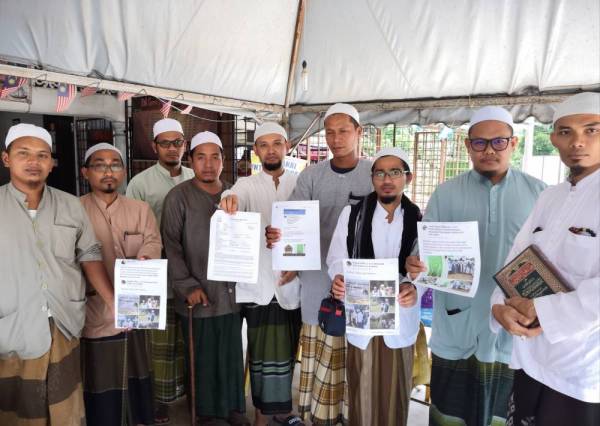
<point>167,360</point>
<point>44,390</point>
<point>323,391</point>
<point>273,334</point>
<point>467,391</point>
<point>117,387</point>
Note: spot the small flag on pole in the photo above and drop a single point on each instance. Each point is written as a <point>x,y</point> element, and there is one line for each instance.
<point>11,84</point>
<point>165,109</point>
<point>124,96</point>
<point>66,94</point>
<point>88,91</point>
<point>187,110</point>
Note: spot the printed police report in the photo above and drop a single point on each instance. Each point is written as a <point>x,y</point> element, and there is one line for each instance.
<point>234,247</point>
<point>450,250</point>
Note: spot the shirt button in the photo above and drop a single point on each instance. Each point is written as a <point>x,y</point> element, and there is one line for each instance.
<point>44,286</point>
<point>44,308</point>
<point>230,290</point>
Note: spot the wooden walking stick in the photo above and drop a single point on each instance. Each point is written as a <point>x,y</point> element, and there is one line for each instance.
<point>192,365</point>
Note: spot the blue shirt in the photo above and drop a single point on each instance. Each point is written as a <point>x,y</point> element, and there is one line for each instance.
<point>500,211</point>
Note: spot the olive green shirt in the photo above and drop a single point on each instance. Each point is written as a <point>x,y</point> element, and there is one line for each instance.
<point>40,265</point>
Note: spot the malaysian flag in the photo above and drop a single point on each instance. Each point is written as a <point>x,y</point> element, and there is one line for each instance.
<point>187,110</point>
<point>165,109</point>
<point>124,96</point>
<point>11,84</point>
<point>66,94</point>
<point>88,91</point>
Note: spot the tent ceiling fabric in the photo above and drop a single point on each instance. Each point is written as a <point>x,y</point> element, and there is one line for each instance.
<point>356,50</point>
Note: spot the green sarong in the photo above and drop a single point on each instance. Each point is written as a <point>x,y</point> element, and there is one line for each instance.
<point>219,364</point>
<point>469,392</point>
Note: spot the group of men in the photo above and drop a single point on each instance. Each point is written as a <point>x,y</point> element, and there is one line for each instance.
<point>62,361</point>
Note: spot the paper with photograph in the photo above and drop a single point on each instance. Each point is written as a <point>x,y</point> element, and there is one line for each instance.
<point>450,250</point>
<point>234,247</point>
<point>141,293</point>
<point>300,246</point>
<point>371,288</point>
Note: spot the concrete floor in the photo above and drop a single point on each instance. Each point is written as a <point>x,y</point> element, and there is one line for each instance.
<point>418,414</point>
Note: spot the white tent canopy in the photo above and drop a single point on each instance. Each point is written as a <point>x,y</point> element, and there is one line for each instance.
<point>360,51</point>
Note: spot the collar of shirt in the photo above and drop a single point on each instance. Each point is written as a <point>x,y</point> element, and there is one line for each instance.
<point>103,207</point>
<point>381,213</point>
<point>165,172</point>
<point>589,181</point>
<point>22,197</point>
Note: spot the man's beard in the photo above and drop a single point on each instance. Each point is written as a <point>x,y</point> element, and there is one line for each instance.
<point>272,166</point>
<point>576,171</point>
<point>489,173</point>
<point>208,180</point>
<point>109,190</point>
<point>389,199</point>
<point>172,163</point>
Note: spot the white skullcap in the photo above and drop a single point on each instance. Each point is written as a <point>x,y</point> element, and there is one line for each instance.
<point>494,113</point>
<point>343,109</point>
<point>394,152</point>
<point>100,147</point>
<point>166,125</point>
<point>24,130</point>
<point>205,137</point>
<point>581,103</point>
<point>268,128</point>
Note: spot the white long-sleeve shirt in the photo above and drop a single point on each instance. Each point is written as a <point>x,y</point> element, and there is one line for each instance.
<point>257,193</point>
<point>566,356</point>
<point>386,238</point>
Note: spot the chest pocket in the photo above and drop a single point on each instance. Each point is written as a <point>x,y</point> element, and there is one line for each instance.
<point>133,244</point>
<point>580,255</point>
<point>64,239</point>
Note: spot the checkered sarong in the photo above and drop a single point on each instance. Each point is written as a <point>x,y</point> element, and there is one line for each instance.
<point>323,390</point>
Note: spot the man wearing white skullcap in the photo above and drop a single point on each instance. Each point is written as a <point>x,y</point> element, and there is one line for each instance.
<point>126,228</point>
<point>217,322</point>
<point>343,180</point>
<point>47,241</point>
<point>557,378</point>
<point>382,225</point>
<point>470,378</point>
<point>270,306</point>
<point>152,186</point>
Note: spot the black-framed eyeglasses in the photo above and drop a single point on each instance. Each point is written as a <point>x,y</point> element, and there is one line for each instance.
<point>177,143</point>
<point>393,174</point>
<point>480,144</point>
<point>103,167</point>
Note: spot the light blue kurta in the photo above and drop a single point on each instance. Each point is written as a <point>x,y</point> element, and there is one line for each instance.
<point>500,210</point>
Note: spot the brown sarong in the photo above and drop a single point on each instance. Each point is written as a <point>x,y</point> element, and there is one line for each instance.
<point>323,390</point>
<point>379,384</point>
<point>44,390</point>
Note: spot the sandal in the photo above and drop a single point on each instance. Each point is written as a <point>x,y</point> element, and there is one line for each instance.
<point>289,421</point>
<point>161,414</point>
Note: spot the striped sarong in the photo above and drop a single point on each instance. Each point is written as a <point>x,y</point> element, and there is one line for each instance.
<point>323,391</point>
<point>219,363</point>
<point>273,334</point>
<point>469,392</point>
<point>117,388</point>
<point>379,384</point>
<point>44,390</point>
<point>167,360</point>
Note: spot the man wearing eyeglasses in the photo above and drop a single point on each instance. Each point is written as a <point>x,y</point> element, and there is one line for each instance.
<point>125,228</point>
<point>470,378</point>
<point>382,225</point>
<point>152,186</point>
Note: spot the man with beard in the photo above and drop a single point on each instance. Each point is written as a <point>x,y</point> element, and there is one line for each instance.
<point>470,378</point>
<point>343,180</point>
<point>152,186</point>
<point>557,377</point>
<point>126,228</point>
<point>217,323</point>
<point>46,242</point>
<point>270,306</point>
<point>382,225</point>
